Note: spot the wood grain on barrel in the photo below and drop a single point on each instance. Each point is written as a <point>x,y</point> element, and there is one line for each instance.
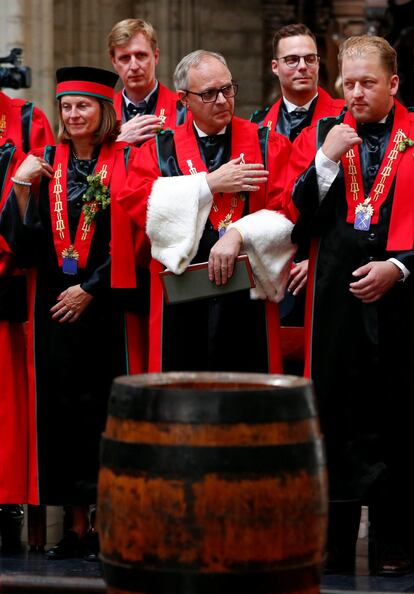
<point>193,508</point>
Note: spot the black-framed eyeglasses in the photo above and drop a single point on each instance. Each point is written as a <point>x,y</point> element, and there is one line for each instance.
<point>311,60</point>
<point>210,96</point>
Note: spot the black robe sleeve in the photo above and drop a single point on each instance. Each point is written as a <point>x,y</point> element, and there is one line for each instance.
<point>314,215</point>
<point>23,236</point>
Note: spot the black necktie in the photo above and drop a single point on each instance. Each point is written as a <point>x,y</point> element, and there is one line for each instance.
<point>133,110</point>
<point>212,149</point>
<point>296,117</point>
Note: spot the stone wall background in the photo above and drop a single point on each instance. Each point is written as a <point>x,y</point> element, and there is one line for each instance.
<point>56,33</point>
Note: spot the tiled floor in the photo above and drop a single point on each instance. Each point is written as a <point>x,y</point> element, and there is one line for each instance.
<point>26,569</point>
<point>367,584</point>
<point>24,572</point>
<point>32,572</point>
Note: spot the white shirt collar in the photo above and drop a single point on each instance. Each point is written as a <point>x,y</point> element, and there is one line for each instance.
<point>291,106</point>
<point>201,133</point>
<point>146,99</point>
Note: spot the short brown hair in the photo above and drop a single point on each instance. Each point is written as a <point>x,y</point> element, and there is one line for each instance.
<point>361,45</point>
<point>123,31</point>
<point>291,31</point>
<point>108,130</point>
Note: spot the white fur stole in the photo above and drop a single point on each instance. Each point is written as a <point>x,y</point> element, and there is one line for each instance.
<point>266,241</point>
<point>176,220</point>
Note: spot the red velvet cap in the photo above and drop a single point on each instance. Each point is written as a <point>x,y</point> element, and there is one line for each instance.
<point>82,80</point>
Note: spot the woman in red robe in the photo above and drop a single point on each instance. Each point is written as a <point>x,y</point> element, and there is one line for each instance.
<point>58,221</point>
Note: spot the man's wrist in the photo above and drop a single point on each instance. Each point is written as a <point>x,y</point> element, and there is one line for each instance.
<point>403,270</point>
<point>238,231</point>
<point>206,194</point>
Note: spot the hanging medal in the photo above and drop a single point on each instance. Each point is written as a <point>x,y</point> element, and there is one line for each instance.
<point>363,212</point>
<point>70,258</point>
<point>363,215</point>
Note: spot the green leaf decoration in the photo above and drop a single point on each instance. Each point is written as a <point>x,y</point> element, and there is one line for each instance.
<point>96,198</point>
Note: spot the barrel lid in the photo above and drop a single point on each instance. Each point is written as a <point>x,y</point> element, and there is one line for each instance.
<point>212,397</point>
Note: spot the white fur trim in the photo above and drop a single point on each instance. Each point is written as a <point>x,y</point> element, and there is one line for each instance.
<point>176,219</point>
<point>266,240</point>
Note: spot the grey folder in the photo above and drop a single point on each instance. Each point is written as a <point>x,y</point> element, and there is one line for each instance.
<point>195,284</point>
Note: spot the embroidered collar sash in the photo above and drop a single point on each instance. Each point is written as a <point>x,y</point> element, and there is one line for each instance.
<point>59,209</point>
<point>351,164</point>
<point>227,206</point>
<point>165,109</point>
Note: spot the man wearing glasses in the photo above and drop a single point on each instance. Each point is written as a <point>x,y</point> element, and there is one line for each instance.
<point>205,193</point>
<point>296,64</point>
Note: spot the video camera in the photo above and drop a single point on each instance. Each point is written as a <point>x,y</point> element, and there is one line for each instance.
<point>16,76</point>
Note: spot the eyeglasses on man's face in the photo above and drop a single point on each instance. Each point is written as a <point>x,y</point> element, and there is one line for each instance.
<point>211,95</point>
<point>293,61</point>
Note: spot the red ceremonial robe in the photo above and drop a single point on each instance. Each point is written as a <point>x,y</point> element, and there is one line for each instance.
<point>401,229</point>
<point>362,354</point>
<point>244,139</point>
<point>13,384</point>
<point>23,123</point>
<point>325,106</point>
<point>166,106</point>
<point>45,282</point>
<point>27,127</point>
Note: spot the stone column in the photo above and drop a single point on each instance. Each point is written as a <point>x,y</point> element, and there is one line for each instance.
<point>276,14</point>
<point>232,29</point>
<point>29,25</point>
<point>12,33</point>
<point>177,26</point>
<point>40,55</point>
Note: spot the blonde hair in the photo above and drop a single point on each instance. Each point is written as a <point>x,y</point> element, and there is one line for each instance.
<point>109,127</point>
<point>361,45</point>
<point>123,32</point>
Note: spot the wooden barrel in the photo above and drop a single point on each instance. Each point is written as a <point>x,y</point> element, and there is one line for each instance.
<point>212,483</point>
